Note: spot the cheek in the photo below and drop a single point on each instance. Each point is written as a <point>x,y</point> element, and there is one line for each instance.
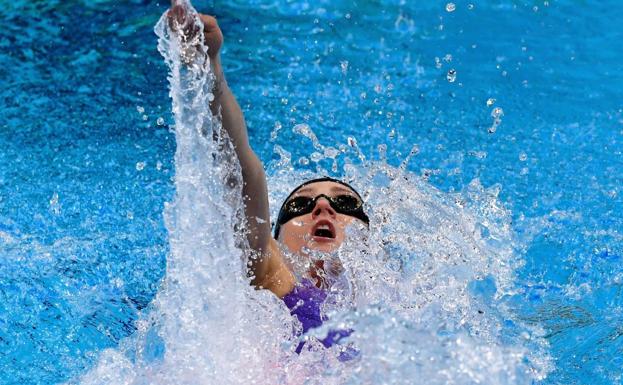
<point>294,234</point>
<point>343,222</point>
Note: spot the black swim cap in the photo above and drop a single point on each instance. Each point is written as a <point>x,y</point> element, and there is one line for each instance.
<point>323,179</point>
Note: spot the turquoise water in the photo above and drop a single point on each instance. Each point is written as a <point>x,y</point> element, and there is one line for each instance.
<point>87,163</point>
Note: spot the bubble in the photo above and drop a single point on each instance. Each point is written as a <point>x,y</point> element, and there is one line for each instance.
<point>470,6</point>
<point>140,109</point>
<point>303,161</point>
<point>447,58</point>
<point>523,156</point>
<point>158,165</point>
<point>451,76</point>
<point>145,117</point>
<point>450,7</point>
<point>490,102</point>
<point>211,96</point>
<point>140,166</point>
<point>160,121</point>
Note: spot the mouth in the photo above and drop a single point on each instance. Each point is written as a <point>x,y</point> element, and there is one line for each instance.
<point>323,231</point>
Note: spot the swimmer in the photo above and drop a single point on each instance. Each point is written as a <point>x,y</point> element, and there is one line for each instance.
<point>313,217</point>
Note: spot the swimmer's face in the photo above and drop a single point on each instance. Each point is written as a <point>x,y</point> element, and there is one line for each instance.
<point>323,228</point>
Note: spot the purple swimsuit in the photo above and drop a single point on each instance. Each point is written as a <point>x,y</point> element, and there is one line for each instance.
<point>304,302</point>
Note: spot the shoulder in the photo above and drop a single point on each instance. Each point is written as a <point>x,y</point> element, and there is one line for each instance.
<point>278,279</point>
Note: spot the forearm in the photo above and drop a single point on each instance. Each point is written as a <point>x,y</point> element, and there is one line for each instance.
<point>255,192</point>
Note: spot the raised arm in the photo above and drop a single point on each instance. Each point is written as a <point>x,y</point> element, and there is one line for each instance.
<point>268,266</point>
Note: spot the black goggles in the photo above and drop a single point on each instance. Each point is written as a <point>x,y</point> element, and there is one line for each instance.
<point>344,204</point>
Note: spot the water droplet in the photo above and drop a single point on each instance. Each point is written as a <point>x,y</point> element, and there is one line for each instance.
<point>211,97</point>
<point>437,62</point>
<point>158,165</point>
<point>145,117</point>
<point>477,154</point>
<point>490,102</point>
<point>140,166</point>
<point>140,109</point>
<point>303,161</point>
<point>447,58</point>
<point>129,215</point>
<point>497,113</point>
<point>330,152</point>
<point>470,6</point>
<point>275,132</point>
<point>352,141</point>
<point>523,156</point>
<point>55,207</point>
<point>450,7</point>
<point>451,76</point>
<point>344,66</point>
<point>316,156</point>
<point>160,121</point>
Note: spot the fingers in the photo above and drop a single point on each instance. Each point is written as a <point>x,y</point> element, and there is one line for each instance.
<point>180,20</point>
<point>176,16</point>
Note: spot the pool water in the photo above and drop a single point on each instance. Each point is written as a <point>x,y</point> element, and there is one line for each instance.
<point>522,98</point>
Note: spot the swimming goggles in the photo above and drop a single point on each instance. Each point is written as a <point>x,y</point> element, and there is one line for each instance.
<point>343,204</point>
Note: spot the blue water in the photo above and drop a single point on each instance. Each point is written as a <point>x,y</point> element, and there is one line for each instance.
<point>86,164</point>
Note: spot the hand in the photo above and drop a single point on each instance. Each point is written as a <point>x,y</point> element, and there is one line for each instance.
<point>181,19</point>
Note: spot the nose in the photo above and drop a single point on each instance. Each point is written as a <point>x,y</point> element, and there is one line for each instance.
<point>323,206</point>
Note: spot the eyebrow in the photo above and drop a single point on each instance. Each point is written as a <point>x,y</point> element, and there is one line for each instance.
<point>333,189</point>
<point>342,189</point>
<point>304,190</point>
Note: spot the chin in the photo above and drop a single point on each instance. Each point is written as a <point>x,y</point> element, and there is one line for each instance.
<point>325,247</point>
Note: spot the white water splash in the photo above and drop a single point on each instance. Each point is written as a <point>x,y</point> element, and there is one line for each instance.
<point>419,288</point>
